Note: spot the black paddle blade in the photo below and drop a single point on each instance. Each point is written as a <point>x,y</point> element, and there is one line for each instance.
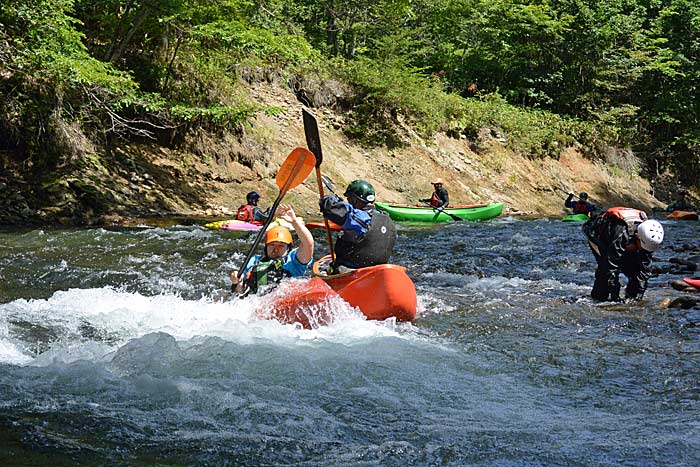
<point>328,183</point>
<point>313,140</point>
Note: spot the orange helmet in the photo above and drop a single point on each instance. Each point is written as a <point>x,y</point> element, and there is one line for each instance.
<point>278,234</point>
<point>437,181</point>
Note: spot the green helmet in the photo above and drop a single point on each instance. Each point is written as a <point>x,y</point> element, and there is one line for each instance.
<point>362,190</point>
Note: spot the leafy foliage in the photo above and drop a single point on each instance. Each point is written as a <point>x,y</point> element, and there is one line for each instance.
<point>542,73</point>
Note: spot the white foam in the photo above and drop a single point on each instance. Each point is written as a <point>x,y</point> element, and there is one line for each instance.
<point>116,317</point>
<point>9,353</point>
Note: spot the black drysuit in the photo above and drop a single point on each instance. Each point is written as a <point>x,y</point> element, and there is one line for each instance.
<point>616,251</point>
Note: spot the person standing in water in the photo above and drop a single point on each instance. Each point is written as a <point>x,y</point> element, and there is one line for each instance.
<point>622,241</point>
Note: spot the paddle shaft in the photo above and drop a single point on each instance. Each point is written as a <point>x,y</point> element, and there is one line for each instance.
<point>297,166</point>
<point>567,192</point>
<point>329,237</point>
<point>313,141</point>
<point>455,218</point>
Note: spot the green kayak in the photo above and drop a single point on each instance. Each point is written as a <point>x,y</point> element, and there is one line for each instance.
<point>476,212</point>
<point>575,218</point>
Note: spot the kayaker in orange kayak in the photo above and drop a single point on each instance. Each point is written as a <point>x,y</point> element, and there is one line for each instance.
<point>280,259</point>
<point>582,206</point>
<point>440,198</point>
<point>622,241</point>
<point>368,236</point>
<point>681,203</point>
<point>250,212</point>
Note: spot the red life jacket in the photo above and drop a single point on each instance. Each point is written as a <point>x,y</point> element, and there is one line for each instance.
<point>581,207</point>
<point>435,201</point>
<point>630,216</point>
<point>245,213</point>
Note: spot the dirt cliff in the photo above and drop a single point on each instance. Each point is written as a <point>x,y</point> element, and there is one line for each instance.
<point>209,174</point>
<point>473,171</point>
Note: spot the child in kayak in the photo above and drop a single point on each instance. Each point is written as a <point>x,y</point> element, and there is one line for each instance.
<point>280,260</point>
<point>681,203</point>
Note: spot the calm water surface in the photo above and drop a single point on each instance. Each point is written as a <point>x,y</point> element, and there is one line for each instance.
<point>114,350</point>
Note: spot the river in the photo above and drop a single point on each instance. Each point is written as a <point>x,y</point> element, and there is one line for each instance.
<point>114,350</point>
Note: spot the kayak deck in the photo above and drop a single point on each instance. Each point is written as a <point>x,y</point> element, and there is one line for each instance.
<point>379,292</point>
<point>575,218</point>
<point>683,216</point>
<point>476,212</point>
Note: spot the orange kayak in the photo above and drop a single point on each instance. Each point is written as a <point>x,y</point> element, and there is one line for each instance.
<point>306,303</point>
<point>379,292</point>
<point>683,216</point>
<point>321,225</point>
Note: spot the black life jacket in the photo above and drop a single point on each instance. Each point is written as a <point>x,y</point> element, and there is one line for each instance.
<point>266,271</point>
<point>374,247</point>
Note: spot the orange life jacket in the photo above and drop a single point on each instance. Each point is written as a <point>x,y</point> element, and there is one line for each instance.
<point>630,216</point>
<point>435,201</point>
<point>245,213</point>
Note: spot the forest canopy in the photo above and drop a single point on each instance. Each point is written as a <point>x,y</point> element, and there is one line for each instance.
<point>546,73</point>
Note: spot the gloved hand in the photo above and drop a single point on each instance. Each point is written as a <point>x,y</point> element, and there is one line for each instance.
<point>571,193</point>
<point>326,199</point>
<point>440,209</point>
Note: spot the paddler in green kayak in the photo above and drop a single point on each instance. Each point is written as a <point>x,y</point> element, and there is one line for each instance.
<point>368,236</point>
<point>581,206</point>
<point>280,259</point>
<point>440,198</point>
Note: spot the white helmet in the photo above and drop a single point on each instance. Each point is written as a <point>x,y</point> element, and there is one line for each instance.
<point>650,234</point>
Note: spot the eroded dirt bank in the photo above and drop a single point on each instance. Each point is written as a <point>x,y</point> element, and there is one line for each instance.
<point>210,174</point>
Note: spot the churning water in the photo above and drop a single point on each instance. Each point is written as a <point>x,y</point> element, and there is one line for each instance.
<point>116,350</point>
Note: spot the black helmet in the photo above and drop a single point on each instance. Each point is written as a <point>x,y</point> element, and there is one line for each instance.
<point>362,190</point>
<point>252,196</point>
<point>583,195</point>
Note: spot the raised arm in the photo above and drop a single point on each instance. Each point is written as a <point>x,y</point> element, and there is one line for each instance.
<point>305,253</point>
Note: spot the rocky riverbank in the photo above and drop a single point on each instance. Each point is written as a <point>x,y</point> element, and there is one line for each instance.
<point>209,174</point>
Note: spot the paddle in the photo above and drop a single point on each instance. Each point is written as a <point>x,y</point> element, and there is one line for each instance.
<point>328,183</point>
<point>567,192</point>
<point>313,141</point>
<point>292,172</point>
<point>442,210</point>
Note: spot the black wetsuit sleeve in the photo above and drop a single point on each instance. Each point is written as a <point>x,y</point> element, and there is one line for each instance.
<point>638,285</point>
<point>260,214</point>
<point>569,202</point>
<point>443,196</point>
<point>334,209</point>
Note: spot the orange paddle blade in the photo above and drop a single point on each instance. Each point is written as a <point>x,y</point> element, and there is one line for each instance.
<point>299,164</point>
